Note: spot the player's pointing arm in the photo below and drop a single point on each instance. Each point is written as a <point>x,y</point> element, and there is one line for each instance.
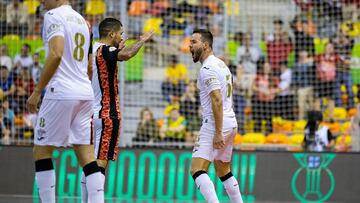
<point>130,51</point>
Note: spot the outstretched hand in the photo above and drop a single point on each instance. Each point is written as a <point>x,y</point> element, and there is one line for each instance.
<point>147,36</point>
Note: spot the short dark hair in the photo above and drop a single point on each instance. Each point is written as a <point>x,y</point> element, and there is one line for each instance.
<point>108,25</point>
<point>206,36</point>
<point>278,21</point>
<point>27,46</point>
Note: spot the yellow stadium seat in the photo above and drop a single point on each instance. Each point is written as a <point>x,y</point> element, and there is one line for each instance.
<point>11,37</point>
<point>344,140</point>
<point>299,126</point>
<point>237,139</point>
<point>345,127</point>
<point>340,113</point>
<point>287,126</point>
<point>95,7</point>
<point>351,28</point>
<point>138,8</point>
<point>32,6</point>
<point>355,89</point>
<point>296,139</point>
<point>253,138</point>
<point>277,139</point>
<point>153,24</point>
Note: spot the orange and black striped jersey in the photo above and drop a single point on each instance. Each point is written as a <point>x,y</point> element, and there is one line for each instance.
<point>105,81</point>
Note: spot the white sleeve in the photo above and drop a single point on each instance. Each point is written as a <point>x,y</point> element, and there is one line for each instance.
<point>286,82</point>
<point>209,79</point>
<point>53,26</point>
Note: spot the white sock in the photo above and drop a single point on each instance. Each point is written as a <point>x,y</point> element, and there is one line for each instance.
<point>95,187</point>
<point>46,183</point>
<point>84,193</point>
<point>232,189</point>
<point>206,188</point>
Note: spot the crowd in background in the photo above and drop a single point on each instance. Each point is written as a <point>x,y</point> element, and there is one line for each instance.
<point>266,84</point>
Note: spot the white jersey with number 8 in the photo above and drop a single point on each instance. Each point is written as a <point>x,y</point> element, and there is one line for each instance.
<point>70,81</point>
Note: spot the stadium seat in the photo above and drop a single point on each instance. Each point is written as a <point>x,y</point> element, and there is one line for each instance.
<point>296,139</point>
<point>11,37</point>
<point>253,138</point>
<point>32,6</point>
<point>340,113</point>
<point>299,126</point>
<point>351,28</point>
<point>237,139</point>
<point>345,127</point>
<point>185,45</point>
<point>95,7</point>
<point>277,138</point>
<point>153,24</point>
<point>138,8</point>
<point>351,112</point>
<point>343,139</point>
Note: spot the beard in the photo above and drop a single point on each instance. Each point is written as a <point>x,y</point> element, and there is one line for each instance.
<point>195,55</point>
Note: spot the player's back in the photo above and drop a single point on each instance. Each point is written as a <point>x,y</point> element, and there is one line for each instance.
<point>213,74</point>
<point>70,80</point>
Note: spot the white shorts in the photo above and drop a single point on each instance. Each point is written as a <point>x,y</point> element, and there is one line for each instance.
<point>204,146</point>
<point>61,123</point>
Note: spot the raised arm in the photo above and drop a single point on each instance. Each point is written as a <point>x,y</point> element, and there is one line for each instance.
<point>130,51</point>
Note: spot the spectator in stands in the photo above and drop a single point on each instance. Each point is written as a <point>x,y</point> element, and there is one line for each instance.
<point>248,55</point>
<point>173,129</point>
<point>265,87</point>
<point>5,130</point>
<point>17,17</point>
<point>9,114</point>
<point>24,86</point>
<point>36,68</point>
<point>24,59</point>
<point>5,59</point>
<point>317,137</point>
<point>303,38</point>
<point>176,79</point>
<point>304,81</point>
<point>242,89</point>
<point>7,86</point>
<point>343,46</point>
<point>326,78</point>
<point>279,46</point>
<point>219,42</point>
<point>285,97</point>
<point>147,129</point>
<point>2,18</point>
<point>189,102</point>
<point>328,15</point>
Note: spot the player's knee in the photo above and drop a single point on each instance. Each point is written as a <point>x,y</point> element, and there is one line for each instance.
<point>222,168</point>
<point>42,152</point>
<point>197,173</point>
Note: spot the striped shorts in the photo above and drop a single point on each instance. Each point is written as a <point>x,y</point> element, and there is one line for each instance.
<point>107,133</point>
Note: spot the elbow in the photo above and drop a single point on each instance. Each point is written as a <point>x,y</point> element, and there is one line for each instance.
<point>125,56</point>
<point>56,56</point>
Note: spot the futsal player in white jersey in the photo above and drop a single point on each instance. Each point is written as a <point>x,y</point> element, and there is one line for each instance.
<point>215,141</point>
<point>65,114</point>
<point>107,116</point>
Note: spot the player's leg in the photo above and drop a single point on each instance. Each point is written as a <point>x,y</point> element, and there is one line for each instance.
<point>199,168</point>
<point>223,167</point>
<point>81,138</point>
<point>223,171</point>
<point>203,155</point>
<point>51,130</point>
<point>44,173</point>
